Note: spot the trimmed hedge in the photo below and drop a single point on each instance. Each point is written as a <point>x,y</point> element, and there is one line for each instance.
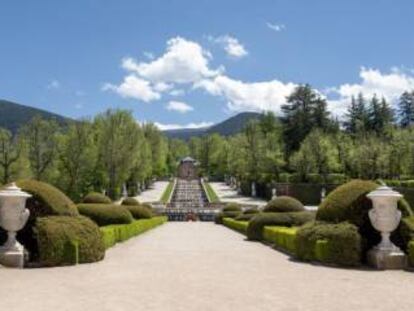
<point>251,211</point>
<point>406,230</point>
<point>46,199</point>
<point>283,238</point>
<point>329,243</point>
<point>96,198</point>
<point>245,217</point>
<point>256,225</point>
<point>139,212</point>
<point>130,202</point>
<point>118,233</point>
<point>106,214</point>
<point>218,219</point>
<point>65,240</point>
<point>240,226</point>
<point>283,204</point>
<point>232,207</point>
<point>349,203</point>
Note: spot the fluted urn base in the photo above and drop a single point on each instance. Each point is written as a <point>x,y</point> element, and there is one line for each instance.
<point>387,259</point>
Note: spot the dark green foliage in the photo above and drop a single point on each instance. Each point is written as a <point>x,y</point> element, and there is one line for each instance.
<point>218,219</point>
<point>257,223</point>
<point>283,204</point>
<point>64,240</point>
<point>96,198</point>
<point>130,201</point>
<point>406,109</point>
<point>106,214</point>
<point>232,207</point>
<point>118,233</point>
<point>139,212</point>
<point>329,243</point>
<point>251,211</point>
<point>46,200</point>
<point>245,217</point>
<point>406,230</point>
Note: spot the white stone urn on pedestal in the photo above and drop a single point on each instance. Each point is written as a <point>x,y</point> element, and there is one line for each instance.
<point>13,217</point>
<point>385,218</point>
<point>274,193</point>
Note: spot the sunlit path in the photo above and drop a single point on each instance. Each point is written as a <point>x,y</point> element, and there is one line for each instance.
<point>201,266</point>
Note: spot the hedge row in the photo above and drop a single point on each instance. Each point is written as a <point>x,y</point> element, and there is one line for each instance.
<point>66,240</point>
<point>283,238</point>
<point>106,214</point>
<point>113,234</point>
<point>329,243</point>
<point>218,219</point>
<point>256,225</point>
<point>411,253</point>
<point>240,226</point>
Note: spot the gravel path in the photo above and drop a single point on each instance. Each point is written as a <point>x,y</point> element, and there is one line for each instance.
<point>201,266</point>
<point>227,194</point>
<point>154,193</point>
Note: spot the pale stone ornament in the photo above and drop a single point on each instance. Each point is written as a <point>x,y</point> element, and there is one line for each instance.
<point>13,217</point>
<point>385,218</point>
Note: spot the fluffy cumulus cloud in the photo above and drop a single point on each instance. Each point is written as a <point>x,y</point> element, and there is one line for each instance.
<point>231,45</point>
<point>180,107</point>
<point>134,87</point>
<point>373,82</point>
<point>166,127</point>
<point>242,96</point>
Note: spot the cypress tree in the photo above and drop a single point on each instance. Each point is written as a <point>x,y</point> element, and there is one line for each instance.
<point>406,109</point>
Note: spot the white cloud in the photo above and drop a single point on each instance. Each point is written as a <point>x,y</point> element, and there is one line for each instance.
<point>180,107</point>
<point>165,127</point>
<point>276,27</point>
<point>54,84</point>
<point>177,92</point>
<point>388,85</point>
<point>183,62</point>
<point>231,45</point>
<point>149,55</point>
<point>243,96</point>
<point>134,87</point>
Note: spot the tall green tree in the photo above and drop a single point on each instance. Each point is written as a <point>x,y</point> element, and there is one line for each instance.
<point>406,109</point>
<point>9,154</point>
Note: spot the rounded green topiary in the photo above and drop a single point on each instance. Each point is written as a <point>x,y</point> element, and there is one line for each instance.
<point>284,204</point>
<point>106,214</point>
<point>218,219</point>
<point>245,217</point>
<point>59,236</point>
<point>46,199</point>
<point>232,207</point>
<point>139,212</point>
<point>257,223</point>
<point>251,211</point>
<point>96,198</point>
<point>130,202</point>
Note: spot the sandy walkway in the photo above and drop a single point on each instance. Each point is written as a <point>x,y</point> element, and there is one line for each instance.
<point>154,193</point>
<point>201,266</point>
<point>227,194</point>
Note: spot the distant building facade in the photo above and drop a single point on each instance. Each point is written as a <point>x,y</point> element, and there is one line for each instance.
<point>187,168</point>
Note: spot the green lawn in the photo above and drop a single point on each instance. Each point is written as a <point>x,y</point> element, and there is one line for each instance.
<point>167,192</point>
<point>211,194</point>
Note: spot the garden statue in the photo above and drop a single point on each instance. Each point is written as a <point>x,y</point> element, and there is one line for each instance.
<point>274,193</point>
<point>13,217</point>
<point>323,193</point>
<point>385,218</point>
<point>253,189</point>
<point>124,191</point>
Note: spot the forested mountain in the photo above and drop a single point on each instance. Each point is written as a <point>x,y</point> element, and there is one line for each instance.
<point>13,115</point>
<point>228,127</point>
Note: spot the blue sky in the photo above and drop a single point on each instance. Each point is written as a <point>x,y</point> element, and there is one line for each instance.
<point>196,62</point>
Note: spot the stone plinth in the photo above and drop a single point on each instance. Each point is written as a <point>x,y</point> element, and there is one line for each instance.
<point>12,258</point>
<point>387,259</point>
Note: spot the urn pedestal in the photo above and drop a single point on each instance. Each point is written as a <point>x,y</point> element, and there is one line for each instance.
<point>13,217</point>
<point>385,218</point>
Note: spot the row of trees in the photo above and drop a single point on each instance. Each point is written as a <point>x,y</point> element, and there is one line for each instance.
<point>372,142</point>
<point>103,153</point>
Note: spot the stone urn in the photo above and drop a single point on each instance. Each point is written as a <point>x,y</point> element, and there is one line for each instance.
<point>13,217</point>
<point>385,218</point>
<point>274,193</point>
